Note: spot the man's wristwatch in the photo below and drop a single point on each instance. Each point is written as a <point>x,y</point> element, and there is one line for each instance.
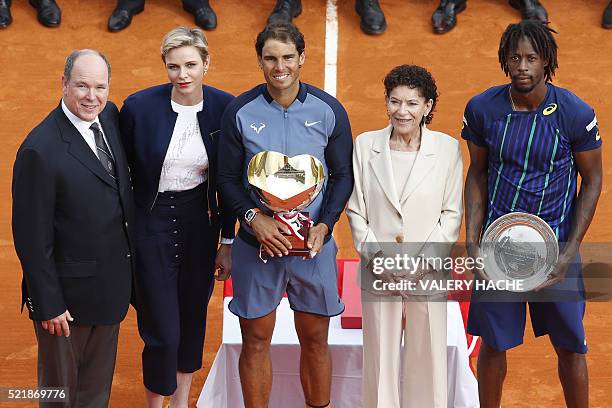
<point>250,215</point>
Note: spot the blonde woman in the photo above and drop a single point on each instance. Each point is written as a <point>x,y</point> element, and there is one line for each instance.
<point>408,191</point>
<point>170,133</point>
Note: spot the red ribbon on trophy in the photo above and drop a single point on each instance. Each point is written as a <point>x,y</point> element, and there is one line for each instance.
<point>296,221</point>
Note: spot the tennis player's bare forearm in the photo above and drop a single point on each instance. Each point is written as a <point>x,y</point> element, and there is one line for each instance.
<point>475,204</point>
<point>590,168</point>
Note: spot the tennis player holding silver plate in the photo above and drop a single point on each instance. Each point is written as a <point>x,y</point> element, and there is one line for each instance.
<point>519,247</point>
<point>286,185</point>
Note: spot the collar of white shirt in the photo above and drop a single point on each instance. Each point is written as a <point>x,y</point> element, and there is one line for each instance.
<point>178,108</point>
<point>81,125</point>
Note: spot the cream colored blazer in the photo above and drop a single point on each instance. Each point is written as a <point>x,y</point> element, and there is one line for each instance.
<point>431,208</point>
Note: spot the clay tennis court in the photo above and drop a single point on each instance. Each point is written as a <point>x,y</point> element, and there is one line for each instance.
<point>463,62</point>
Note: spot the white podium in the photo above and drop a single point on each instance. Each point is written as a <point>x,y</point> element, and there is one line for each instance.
<point>222,387</point>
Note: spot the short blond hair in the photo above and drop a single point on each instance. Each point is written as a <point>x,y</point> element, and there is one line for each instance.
<point>182,37</point>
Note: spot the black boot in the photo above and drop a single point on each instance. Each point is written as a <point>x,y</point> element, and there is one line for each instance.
<point>372,17</point>
<point>606,22</point>
<point>530,10</point>
<point>48,12</point>
<point>204,15</point>
<point>5,13</point>
<point>122,18</point>
<point>285,11</point>
<point>444,18</point>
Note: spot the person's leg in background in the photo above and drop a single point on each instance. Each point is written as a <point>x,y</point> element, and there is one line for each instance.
<point>203,14</point>
<point>122,15</point>
<point>285,11</point>
<point>606,21</point>
<point>444,17</point>
<point>530,10</point>
<point>372,17</point>
<point>5,13</point>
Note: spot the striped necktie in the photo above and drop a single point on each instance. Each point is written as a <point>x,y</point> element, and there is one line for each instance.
<point>103,153</point>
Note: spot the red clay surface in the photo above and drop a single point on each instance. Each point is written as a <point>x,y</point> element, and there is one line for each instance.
<point>464,62</point>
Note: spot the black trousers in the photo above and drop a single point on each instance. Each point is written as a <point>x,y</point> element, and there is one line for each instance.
<point>175,254</point>
<point>136,4</point>
<point>83,362</point>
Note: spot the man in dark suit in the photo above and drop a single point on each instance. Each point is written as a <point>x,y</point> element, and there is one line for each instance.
<point>72,206</point>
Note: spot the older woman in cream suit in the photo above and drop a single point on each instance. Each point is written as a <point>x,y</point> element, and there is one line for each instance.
<point>408,189</point>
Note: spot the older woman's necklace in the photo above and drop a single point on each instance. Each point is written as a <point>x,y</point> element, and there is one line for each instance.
<point>395,143</point>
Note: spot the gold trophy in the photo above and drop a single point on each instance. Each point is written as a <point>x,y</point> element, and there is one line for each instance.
<point>287,185</point>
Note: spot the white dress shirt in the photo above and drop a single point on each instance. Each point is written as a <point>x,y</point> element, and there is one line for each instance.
<point>186,162</point>
<point>83,127</point>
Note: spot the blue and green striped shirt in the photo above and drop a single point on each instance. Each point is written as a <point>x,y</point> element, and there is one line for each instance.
<point>531,162</point>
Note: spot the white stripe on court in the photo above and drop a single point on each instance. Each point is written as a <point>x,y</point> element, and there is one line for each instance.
<point>331,47</point>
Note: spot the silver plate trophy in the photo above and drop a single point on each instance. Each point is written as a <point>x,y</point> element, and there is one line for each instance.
<point>519,247</point>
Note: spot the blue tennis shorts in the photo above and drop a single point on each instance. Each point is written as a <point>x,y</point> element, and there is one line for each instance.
<point>311,284</point>
<point>502,324</point>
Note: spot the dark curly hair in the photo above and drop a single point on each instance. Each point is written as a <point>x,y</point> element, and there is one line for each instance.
<point>541,38</point>
<point>284,32</point>
<point>414,77</point>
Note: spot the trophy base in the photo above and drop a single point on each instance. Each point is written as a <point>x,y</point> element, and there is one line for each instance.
<point>304,253</point>
<point>301,227</point>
